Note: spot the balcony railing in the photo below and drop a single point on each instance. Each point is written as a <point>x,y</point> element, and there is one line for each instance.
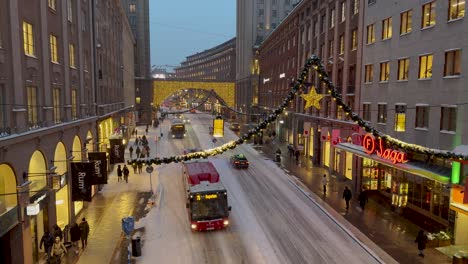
<point>5,131</point>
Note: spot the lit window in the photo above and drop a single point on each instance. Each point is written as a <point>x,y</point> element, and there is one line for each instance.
<point>332,18</point>
<point>370,34</point>
<point>382,114</point>
<point>387,28</point>
<point>56,103</point>
<point>448,118</point>
<point>28,39</point>
<point>74,104</point>
<point>406,22</point>
<point>71,53</point>
<point>366,112</point>
<point>342,44</point>
<point>343,11</point>
<point>354,39</point>
<point>428,15</point>
<point>132,8</point>
<point>456,9</point>
<point>70,11</point>
<point>53,48</point>
<point>32,106</point>
<point>369,75</point>
<point>422,116</point>
<point>452,65</point>
<point>384,71</point>
<point>400,118</point>
<point>403,69</point>
<point>425,66</point>
<point>52,4</point>
<point>356,7</point>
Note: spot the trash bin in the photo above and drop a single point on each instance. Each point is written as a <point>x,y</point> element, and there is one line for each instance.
<point>136,247</point>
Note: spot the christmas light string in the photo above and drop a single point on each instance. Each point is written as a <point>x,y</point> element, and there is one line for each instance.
<point>314,62</point>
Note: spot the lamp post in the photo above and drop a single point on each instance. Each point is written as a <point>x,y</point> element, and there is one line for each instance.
<point>149,170</point>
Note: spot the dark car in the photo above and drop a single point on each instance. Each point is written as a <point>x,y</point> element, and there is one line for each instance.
<point>191,150</point>
<point>239,161</point>
<point>235,126</point>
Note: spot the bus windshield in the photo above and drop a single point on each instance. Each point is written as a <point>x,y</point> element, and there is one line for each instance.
<point>209,209</point>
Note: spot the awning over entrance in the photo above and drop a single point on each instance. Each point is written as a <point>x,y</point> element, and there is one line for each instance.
<point>437,173</point>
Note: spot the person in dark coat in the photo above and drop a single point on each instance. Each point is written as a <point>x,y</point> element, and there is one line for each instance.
<point>58,232</point>
<point>48,241</point>
<point>421,239</point>
<point>75,234</point>
<point>131,152</point>
<point>297,154</point>
<point>126,172</point>
<point>363,199</point>
<point>137,152</point>
<point>119,173</point>
<point>84,228</point>
<point>347,196</point>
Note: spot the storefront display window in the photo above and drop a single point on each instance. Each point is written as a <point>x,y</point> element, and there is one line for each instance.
<point>311,143</point>
<point>337,164</point>
<point>349,166</point>
<point>61,204</point>
<point>370,174</point>
<point>326,154</point>
<point>427,195</point>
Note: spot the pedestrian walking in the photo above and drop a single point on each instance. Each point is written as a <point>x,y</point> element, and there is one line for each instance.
<point>290,150</point>
<point>347,196</point>
<point>58,249</point>
<point>131,151</point>
<point>297,154</point>
<point>48,241</point>
<point>363,198</point>
<point>84,229</point>
<point>58,232</point>
<point>126,172</point>
<point>147,151</point>
<point>137,152</point>
<point>66,234</point>
<point>324,184</point>
<point>146,130</point>
<point>143,152</point>
<point>119,173</point>
<point>136,134</point>
<point>136,141</point>
<point>140,167</point>
<point>421,239</point>
<point>75,234</point>
<point>135,167</point>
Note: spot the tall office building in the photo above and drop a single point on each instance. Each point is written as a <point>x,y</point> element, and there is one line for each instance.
<point>255,20</point>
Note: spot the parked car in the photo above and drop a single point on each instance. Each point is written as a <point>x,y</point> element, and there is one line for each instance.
<point>239,161</point>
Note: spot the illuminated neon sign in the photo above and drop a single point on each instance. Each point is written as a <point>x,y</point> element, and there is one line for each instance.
<point>371,146</point>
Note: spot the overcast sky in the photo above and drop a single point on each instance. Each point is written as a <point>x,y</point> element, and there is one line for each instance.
<point>180,28</point>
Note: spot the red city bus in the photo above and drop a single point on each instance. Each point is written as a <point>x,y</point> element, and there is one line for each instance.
<point>207,201</point>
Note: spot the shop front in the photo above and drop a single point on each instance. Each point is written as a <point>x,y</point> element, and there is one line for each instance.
<point>62,201</point>
<point>459,202</point>
<point>37,211</point>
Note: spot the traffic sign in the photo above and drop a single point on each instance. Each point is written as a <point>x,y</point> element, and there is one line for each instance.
<point>214,140</point>
<point>149,169</point>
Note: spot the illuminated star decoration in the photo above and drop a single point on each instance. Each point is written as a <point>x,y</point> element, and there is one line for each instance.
<point>312,98</point>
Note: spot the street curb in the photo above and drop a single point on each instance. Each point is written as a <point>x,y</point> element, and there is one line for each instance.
<point>362,240</point>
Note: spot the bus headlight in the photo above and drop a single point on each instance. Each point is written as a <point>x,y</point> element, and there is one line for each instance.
<point>194,226</point>
<point>226,222</point>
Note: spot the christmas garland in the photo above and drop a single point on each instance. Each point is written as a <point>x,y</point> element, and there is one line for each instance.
<point>314,62</point>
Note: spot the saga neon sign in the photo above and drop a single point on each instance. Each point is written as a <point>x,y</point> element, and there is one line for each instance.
<point>371,146</point>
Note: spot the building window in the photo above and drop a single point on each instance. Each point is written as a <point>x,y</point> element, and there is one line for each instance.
<point>332,18</point>
<point>355,7</point>
<point>343,11</point>
<point>53,48</point>
<point>342,44</point>
<point>428,15</point>
<point>70,10</point>
<point>403,69</point>
<point>322,24</point>
<point>406,22</point>
<point>422,116</point>
<point>3,108</point>
<point>274,13</point>
<point>382,114</point>
<point>369,75</point>
<point>366,112</point>
<point>452,65</point>
<point>456,9</point>
<point>71,53</point>
<point>83,21</point>
<point>330,49</point>
<point>387,28</point>
<point>260,12</point>
<point>425,67</point>
<point>28,39</point>
<point>32,106</point>
<point>74,104</point>
<point>56,103</point>
<point>384,71</point>
<point>52,4</point>
<point>370,34</point>
<point>400,118</point>
<point>354,39</point>
<point>132,8</point>
<point>448,118</point>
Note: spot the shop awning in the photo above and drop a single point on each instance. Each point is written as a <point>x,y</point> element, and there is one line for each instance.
<point>438,173</point>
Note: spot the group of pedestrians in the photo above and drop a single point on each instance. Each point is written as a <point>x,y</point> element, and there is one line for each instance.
<point>56,242</point>
<point>122,171</point>
<point>142,152</point>
<point>294,152</point>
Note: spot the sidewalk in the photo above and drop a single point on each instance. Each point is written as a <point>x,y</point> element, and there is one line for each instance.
<point>392,232</point>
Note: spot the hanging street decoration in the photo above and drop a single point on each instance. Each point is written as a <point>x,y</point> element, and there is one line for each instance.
<point>311,99</point>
